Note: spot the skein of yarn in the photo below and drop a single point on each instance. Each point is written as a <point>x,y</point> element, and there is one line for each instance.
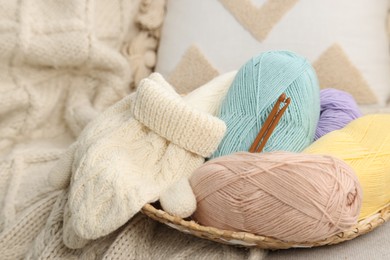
<point>252,94</point>
<point>338,108</point>
<point>364,144</point>
<point>289,196</point>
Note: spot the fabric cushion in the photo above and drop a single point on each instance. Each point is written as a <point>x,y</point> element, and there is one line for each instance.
<point>347,41</point>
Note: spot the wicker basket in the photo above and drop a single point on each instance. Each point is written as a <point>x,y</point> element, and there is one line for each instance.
<point>250,240</point>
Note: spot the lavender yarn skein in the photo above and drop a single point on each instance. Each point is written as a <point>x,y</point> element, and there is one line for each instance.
<point>338,108</point>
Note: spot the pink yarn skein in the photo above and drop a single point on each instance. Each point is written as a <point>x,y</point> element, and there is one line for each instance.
<point>290,196</point>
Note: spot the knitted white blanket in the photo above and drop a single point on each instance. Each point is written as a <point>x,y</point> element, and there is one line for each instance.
<point>61,66</point>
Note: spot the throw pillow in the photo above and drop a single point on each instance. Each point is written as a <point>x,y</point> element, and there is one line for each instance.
<point>346,41</point>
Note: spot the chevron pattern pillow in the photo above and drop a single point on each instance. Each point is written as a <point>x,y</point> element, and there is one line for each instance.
<point>346,41</point>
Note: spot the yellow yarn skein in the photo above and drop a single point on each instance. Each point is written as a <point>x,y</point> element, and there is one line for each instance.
<point>364,144</point>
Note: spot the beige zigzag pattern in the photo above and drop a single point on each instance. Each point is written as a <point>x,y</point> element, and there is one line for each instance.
<point>259,21</point>
<point>333,68</point>
<point>193,70</point>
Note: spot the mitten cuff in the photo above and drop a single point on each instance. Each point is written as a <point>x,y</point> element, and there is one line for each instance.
<point>164,112</point>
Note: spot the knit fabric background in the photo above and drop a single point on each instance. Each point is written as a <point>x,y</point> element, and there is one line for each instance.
<point>61,64</point>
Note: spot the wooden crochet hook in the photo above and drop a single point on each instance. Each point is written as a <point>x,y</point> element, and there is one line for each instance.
<point>270,124</point>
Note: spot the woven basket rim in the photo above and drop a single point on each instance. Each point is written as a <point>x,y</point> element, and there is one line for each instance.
<point>251,240</point>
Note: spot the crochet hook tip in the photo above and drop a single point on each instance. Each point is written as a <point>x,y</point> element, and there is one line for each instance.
<point>282,97</point>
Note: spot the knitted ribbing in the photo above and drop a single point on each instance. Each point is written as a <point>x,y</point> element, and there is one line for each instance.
<point>141,238</point>
<point>17,238</point>
<point>206,98</point>
<point>253,93</point>
<point>23,181</point>
<point>167,115</point>
<point>49,243</point>
<point>144,238</point>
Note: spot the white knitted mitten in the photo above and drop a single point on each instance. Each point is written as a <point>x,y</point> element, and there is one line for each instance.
<point>60,175</point>
<point>206,98</point>
<point>129,167</point>
<point>179,198</point>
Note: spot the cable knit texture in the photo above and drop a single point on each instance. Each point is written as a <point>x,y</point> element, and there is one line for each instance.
<point>60,60</point>
<point>179,198</point>
<point>61,64</point>
<point>139,159</point>
<point>167,115</point>
<point>46,179</point>
<point>54,234</point>
<point>97,129</point>
<point>142,238</point>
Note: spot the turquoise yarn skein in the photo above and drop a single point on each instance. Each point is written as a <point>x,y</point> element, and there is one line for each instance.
<point>254,91</point>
